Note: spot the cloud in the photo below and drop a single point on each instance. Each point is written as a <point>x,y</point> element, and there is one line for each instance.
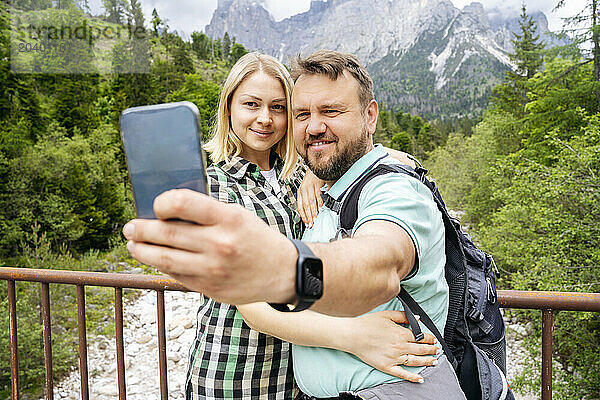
<point>182,15</point>
<point>546,6</point>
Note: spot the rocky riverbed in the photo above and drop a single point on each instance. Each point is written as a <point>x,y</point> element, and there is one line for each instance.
<point>141,351</point>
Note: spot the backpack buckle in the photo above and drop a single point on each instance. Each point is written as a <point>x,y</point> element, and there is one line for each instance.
<point>331,203</point>
<point>421,172</point>
<point>474,314</point>
<point>340,234</point>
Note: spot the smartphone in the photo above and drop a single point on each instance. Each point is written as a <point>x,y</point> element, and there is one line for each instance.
<point>163,149</point>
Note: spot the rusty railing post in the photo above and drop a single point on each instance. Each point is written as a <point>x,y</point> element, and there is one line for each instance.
<point>162,344</point>
<point>119,340</point>
<point>547,354</point>
<point>83,365</point>
<point>47,341</point>
<point>14,352</point>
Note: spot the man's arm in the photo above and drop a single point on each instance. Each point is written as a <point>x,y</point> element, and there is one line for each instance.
<point>364,271</point>
<point>231,255</point>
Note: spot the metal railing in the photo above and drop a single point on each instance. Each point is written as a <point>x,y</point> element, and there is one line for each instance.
<point>545,301</point>
<point>548,302</point>
<point>80,280</point>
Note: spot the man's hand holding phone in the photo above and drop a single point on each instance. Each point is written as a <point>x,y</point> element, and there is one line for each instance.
<point>214,248</point>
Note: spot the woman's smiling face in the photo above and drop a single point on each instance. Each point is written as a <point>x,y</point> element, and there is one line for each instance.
<point>258,116</point>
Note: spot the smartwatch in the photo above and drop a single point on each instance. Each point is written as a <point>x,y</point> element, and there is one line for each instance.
<point>309,279</point>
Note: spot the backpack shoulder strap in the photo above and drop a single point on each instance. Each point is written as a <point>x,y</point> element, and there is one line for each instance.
<point>348,214</point>
<point>349,207</point>
<point>410,307</point>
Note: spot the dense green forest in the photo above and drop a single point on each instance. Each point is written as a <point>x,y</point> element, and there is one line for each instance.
<point>526,174</point>
<point>528,180</point>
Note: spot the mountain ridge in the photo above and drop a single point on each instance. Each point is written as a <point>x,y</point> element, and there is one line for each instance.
<point>418,51</point>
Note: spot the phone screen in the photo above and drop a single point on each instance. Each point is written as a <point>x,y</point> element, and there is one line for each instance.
<point>163,149</point>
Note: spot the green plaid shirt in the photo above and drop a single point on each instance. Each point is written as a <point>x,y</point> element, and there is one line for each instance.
<point>228,359</point>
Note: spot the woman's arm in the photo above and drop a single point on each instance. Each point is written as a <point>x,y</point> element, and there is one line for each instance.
<point>401,156</point>
<point>309,197</point>
<point>375,338</point>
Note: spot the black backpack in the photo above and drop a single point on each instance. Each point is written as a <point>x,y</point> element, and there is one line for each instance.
<point>474,336</point>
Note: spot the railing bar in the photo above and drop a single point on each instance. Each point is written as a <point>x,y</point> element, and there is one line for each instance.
<point>134,281</point>
<point>119,340</point>
<point>14,353</point>
<point>47,341</point>
<point>162,344</point>
<point>83,365</point>
<point>567,301</point>
<point>547,329</point>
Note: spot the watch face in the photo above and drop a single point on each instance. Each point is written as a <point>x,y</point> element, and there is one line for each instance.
<point>313,279</point>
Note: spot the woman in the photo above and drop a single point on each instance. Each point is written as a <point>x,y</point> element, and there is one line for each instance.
<point>256,166</point>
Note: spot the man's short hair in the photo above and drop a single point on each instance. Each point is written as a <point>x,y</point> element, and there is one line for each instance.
<point>333,64</point>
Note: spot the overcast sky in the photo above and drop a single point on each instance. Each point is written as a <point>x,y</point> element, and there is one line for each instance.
<point>187,16</point>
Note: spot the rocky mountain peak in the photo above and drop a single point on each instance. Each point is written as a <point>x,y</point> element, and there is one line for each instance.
<point>474,18</point>
<point>224,3</point>
<point>474,8</point>
<point>409,46</point>
<point>318,5</point>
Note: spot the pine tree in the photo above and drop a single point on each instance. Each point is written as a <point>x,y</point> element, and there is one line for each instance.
<point>527,55</point>
<point>68,72</point>
<point>139,40</point>
<point>156,22</point>
<point>201,45</point>
<point>28,5</point>
<point>131,61</point>
<point>511,96</point>
<point>83,5</point>
<point>237,51</point>
<point>114,10</point>
<point>226,44</point>
<point>20,114</point>
<point>585,28</point>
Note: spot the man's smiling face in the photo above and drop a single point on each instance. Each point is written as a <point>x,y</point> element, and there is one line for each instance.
<point>331,130</point>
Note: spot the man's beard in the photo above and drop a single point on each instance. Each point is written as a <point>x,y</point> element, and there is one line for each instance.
<point>340,162</point>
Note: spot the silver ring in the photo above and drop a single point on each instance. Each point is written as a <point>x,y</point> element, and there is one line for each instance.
<point>405,360</point>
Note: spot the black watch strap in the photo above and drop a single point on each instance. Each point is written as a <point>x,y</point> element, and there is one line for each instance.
<point>302,247</point>
<point>301,304</point>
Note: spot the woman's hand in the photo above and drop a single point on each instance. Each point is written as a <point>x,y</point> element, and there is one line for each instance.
<point>309,198</point>
<point>401,156</point>
<point>379,341</point>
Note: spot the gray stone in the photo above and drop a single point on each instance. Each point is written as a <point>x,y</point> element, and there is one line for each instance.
<point>181,320</point>
<point>143,339</point>
<point>108,390</point>
<point>175,333</point>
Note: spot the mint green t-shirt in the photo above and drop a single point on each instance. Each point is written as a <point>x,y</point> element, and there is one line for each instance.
<point>402,200</point>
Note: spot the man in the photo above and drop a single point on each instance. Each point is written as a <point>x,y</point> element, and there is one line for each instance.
<point>398,240</point>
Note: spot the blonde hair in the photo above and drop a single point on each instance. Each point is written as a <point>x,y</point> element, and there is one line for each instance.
<point>224,144</point>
